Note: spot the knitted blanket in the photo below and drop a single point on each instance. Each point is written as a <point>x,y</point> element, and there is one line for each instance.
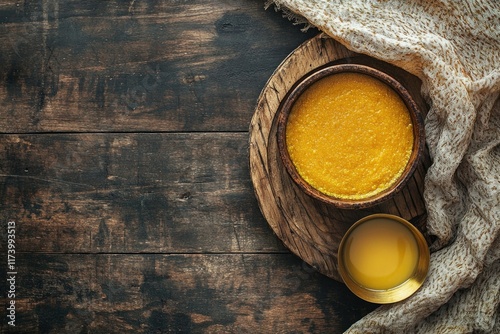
<point>454,48</point>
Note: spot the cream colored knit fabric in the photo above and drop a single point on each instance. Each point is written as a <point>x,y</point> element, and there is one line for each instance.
<point>454,48</point>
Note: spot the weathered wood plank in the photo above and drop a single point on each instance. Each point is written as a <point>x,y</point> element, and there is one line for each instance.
<point>150,232</point>
<point>231,293</point>
<point>137,66</point>
<point>131,193</point>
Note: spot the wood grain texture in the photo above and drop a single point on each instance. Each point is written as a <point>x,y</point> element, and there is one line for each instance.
<point>131,193</point>
<point>124,163</point>
<point>137,65</point>
<point>186,293</point>
<point>310,228</point>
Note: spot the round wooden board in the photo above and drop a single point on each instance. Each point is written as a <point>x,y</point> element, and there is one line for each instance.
<point>309,228</point>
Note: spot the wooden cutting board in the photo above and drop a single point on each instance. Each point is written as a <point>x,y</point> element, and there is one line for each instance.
<point>309,228</point>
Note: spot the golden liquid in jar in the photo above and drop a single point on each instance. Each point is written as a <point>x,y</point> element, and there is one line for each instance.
<point>381,254</point>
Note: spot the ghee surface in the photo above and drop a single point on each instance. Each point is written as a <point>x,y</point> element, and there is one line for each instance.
<point>380,254</point>
<point>349,136</point>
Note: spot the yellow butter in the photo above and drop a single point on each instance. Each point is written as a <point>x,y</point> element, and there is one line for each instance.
<point>349,135</point>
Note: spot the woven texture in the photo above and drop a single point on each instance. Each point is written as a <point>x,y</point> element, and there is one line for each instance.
<point>454,48</point>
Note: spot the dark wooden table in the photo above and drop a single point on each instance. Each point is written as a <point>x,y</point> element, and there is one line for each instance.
<point>124,177</point>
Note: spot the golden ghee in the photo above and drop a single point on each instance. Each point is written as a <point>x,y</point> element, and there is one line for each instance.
<point>380,254</point>
<point>349,136</point>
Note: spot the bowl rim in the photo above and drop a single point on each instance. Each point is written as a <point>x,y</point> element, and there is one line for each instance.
<point>399,292</point>
<point>333,68</point>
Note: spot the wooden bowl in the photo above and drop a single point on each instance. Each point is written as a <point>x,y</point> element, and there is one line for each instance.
<point>416,275</point>
<point>415,115</point>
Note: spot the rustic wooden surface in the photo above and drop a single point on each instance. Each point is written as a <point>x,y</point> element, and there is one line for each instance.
<point>124,165</point>
<point>308,227</point>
